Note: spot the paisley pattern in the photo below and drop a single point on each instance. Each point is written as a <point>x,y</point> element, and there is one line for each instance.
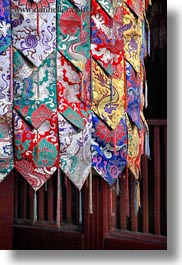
<point>110,111</point>
<point>6,138</point>
<point>33,33</point>
<point>132,34</point>
<point>69,93</point>
<point>109,163</point>
<point>36,149</point>
<point>75,153</point>
<point>35,89</point>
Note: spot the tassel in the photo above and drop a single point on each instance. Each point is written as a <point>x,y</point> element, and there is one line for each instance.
<point>80,208</point>
<point>115,145</point>
<point>117,188</point>
<point>58,217</point>
<point>90,194</point>
<point>137,200</point>
<point>11,74</point>
<point>35,207</point>
<point>149,42</point>
<point>146,94</point>
<point>127,194</point>
<point>147,144</point>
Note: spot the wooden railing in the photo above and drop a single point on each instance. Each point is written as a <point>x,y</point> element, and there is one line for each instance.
<point>109,207</point>
<point>152,215</point>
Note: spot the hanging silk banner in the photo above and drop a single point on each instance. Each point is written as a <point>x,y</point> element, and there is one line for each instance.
<point>6,132</point>
<point>75,152</point>
<point>35,99</point>
<point>109,149</point>
<point>34,30</point>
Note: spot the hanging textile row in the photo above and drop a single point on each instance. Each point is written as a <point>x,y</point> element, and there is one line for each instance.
<point>73,88</point>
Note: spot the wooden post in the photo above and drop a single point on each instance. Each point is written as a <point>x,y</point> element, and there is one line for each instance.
<point>157,180</point>
<point>145,201</point>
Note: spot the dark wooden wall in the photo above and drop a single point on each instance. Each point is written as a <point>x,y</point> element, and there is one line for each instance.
<point>6,213</point>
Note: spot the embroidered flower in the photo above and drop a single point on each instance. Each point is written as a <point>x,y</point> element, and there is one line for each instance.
<point>35,3</point>
<point>70,22</point>
<point>47,154</point>
<point>40,115</point>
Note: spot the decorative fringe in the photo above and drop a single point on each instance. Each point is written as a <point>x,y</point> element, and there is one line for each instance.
<point>147,144</point>
<point>35,207</point>
<point>90,194</point>
<point>137,199</point>
<point>80,208</point>
<point>58,213</point>
<point>117,187</point>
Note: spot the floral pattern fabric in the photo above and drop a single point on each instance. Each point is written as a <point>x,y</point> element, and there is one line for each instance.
<point>75,152</point>
<point>136,6</point>
<point>35,89</point>
<point>106,41</point>
<point>109,163</point>
<point>133,95</point>
<point>5,25</point>
<point>6,131</point>
<point>36,150</point>
<point>33,31</point>
<point>75,90</point>
<point>110,111</point>
<point>69,83</point>
<point>132,34</point>
<point>6,138</point>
